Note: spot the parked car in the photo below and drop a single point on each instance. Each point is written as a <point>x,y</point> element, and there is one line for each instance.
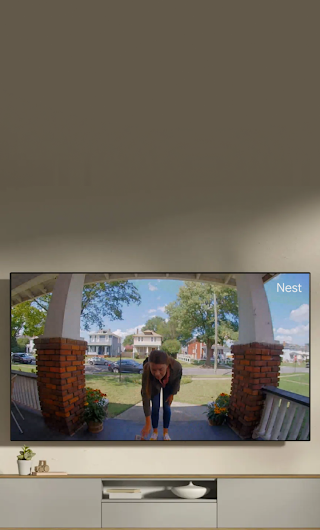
<point>23,358</point>
<point>307,363</point>
<point>127,365</point>
<point>99,360</point>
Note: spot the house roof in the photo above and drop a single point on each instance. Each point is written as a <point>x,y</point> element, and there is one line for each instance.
<point>147,333</point>
<point>103,332</point>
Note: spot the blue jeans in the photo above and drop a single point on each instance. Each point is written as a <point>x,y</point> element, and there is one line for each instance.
<point>167,391</point>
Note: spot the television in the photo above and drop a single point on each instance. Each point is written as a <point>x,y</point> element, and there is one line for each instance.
<point>160,357</point>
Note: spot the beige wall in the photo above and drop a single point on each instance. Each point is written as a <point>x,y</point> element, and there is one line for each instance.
<point>221,125</point>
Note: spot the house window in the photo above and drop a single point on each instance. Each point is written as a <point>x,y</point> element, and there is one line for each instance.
<point>151,339</point>
<point>110,337</point>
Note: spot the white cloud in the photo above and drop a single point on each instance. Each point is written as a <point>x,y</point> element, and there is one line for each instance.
<point>301,314</point>
<point>129,331</point>
<point>152,287</point>
<point>299,330</point>
<point>152,311</point>
<point>284,338</point>
<point>166,319</point>
<point>158,297</point>
<point>162,308</point>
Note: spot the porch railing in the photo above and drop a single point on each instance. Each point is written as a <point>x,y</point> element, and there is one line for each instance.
<point>285,416</point>
<point>25,389</point>
<point>185,358</point>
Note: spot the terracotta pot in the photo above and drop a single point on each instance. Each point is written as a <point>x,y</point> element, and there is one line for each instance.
<point>94,426</point>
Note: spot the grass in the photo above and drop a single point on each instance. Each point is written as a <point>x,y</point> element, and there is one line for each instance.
<point>24,367</point>
<point>201,392</point>
<point>299,384</point>
<point>121,394</point>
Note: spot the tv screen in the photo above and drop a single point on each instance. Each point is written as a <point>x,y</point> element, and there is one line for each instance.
<point>160,357</point>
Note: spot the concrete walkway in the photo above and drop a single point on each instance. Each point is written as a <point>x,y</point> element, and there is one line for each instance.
<point>179,412</point>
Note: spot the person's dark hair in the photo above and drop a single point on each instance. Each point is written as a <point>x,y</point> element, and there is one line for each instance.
<point>159,357</point>
<point>156,357</point>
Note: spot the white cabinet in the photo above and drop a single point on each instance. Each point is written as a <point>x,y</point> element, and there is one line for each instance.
<point>159,514</point>
<point>50,503</point>
<point>268,503</point>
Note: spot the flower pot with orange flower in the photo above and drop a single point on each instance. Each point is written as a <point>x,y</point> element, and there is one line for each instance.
<point>96,409</point>
<point>217,411</point>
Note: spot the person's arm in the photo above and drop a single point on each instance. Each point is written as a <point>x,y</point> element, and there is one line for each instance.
<point>176,383</point>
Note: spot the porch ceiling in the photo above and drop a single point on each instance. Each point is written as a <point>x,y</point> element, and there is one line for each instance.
<point>27,286</point>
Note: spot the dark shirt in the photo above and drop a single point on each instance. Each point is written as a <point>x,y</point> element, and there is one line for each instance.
<point>155,385</point>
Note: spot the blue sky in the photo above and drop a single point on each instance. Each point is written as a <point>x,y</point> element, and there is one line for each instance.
<point>289,310</point>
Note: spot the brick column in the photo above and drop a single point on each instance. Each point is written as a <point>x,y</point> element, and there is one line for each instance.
<point>61,382</point>
<point>254,366</point>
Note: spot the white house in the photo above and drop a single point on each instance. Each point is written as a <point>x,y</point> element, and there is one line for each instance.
<point>145,341</point>
<point>290,355</point>
<point>104,342</point>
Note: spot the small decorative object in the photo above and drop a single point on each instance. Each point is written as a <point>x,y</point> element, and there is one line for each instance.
<point>217,411</point>
<point>25,460</point>
<point>42,467</point>
<point>190,492</point>
<point>95,411</point>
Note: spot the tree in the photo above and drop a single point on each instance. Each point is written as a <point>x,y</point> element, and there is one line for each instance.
<point>128,340</point>
<point>167,329</point>
<point>27,318</point>
<point>153,324</point>
<point>171,346</point>
<point>98,301</point>
<point>193,311</point>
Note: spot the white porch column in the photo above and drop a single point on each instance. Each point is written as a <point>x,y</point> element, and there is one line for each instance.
<point>63,319</point>
<point>255,324</point>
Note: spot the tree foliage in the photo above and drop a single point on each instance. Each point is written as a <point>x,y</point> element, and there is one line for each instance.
<point>167,329</point>
<point>193,311</point>
<point>153,324</point>
<point>128,341</point>
<point>100,300</point>
<point>171,346</point>
<point>28,318</point>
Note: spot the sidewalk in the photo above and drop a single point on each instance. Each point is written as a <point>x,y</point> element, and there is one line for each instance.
<point>179,412</point>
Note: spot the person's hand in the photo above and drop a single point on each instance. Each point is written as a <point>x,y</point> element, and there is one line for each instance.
<point>169,399</point>
<point>147,428</point>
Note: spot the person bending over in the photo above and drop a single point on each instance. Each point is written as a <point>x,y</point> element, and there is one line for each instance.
<point>160,372</point>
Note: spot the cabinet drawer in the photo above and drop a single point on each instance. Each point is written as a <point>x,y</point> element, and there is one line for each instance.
<point>50,503</point>
<point>268,503</point>
<point>159,514</point>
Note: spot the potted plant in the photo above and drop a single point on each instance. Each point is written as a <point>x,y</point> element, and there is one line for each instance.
<point>95,411</point>
<point>25,460</point>
<point>217,411</point>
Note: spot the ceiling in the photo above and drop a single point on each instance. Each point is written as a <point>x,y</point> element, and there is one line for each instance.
<point>28,286</point>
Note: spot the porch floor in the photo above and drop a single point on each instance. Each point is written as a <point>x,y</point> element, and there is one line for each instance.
<point>115,429</point>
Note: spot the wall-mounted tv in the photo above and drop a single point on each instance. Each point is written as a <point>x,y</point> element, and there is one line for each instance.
<point>160,357</point>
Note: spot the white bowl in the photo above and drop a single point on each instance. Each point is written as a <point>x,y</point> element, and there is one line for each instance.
<point>189,492</point>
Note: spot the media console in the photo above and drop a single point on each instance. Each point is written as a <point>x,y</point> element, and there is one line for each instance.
<point>231,502</point>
